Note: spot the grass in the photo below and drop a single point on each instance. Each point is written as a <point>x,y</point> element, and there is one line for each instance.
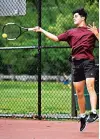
<point>22,97</point>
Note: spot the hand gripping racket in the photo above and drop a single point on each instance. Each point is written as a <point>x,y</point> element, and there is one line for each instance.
<point>12,31</point>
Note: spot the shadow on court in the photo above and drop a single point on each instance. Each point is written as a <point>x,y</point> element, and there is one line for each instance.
<point>35,129</point>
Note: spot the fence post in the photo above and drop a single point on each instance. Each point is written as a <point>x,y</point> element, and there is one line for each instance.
<point>39,60</point>
<point>74,110</point>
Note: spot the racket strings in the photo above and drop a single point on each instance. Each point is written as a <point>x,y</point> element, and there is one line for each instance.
<point>12,31</point>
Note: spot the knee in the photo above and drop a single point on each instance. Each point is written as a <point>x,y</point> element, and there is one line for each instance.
<point>90,87</point>
<point>90,84</point>
<point>79,93</point>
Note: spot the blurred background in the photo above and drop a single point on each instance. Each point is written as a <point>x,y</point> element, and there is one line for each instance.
<point>19,68</point>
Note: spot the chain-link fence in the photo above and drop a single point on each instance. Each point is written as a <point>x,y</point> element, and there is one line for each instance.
<point>35,81</point>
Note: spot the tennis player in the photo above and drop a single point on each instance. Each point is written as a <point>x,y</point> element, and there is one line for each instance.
<point>82,41</point>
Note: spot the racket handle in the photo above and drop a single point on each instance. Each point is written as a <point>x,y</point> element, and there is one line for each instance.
<point>30,29</point>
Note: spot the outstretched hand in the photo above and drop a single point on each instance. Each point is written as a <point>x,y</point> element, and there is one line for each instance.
<point>93,28</point>
<point>37,29</point>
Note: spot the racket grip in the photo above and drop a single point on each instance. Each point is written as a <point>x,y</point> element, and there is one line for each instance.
<point>30,29</point>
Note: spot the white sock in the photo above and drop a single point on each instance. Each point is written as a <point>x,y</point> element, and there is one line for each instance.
<point>82,115</point>
<point>94,111</point>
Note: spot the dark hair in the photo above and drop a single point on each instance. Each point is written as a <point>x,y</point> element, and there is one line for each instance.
<point>81,12</point>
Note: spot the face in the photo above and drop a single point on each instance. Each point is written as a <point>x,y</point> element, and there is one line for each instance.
<point>77,19</point>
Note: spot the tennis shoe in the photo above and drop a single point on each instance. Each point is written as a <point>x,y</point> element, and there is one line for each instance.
<point>83,122</point>
<point>92,117</point>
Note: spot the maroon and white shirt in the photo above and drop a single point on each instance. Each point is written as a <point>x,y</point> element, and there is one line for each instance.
<point>81,40</point>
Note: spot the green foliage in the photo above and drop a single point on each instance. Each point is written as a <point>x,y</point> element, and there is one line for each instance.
<point>56,18</point>
<point>20,61</point>
<point>21,97</point>
<point>55,61</point>
<point>92,1</point>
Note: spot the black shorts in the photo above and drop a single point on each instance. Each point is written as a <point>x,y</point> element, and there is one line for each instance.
<point>82,69</point>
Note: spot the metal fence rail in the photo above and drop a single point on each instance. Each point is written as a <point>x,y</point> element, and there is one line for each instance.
<point>35,79</point>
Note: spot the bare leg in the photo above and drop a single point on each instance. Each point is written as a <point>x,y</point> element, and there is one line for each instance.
<point>79,88</point>
<point>93,96</point>
<point>93,116</point>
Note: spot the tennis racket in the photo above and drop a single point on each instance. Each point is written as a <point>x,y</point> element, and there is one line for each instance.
<point>14,31</point>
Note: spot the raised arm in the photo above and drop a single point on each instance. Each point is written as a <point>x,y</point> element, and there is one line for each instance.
<point>94,30</point>
<point>46,33</point>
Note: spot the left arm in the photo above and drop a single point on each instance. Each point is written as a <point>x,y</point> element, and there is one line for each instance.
<point>94,30</point>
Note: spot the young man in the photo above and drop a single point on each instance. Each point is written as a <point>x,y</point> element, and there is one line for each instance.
<point>82,41</point>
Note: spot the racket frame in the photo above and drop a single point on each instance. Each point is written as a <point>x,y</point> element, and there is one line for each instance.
<point>20,27</point>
